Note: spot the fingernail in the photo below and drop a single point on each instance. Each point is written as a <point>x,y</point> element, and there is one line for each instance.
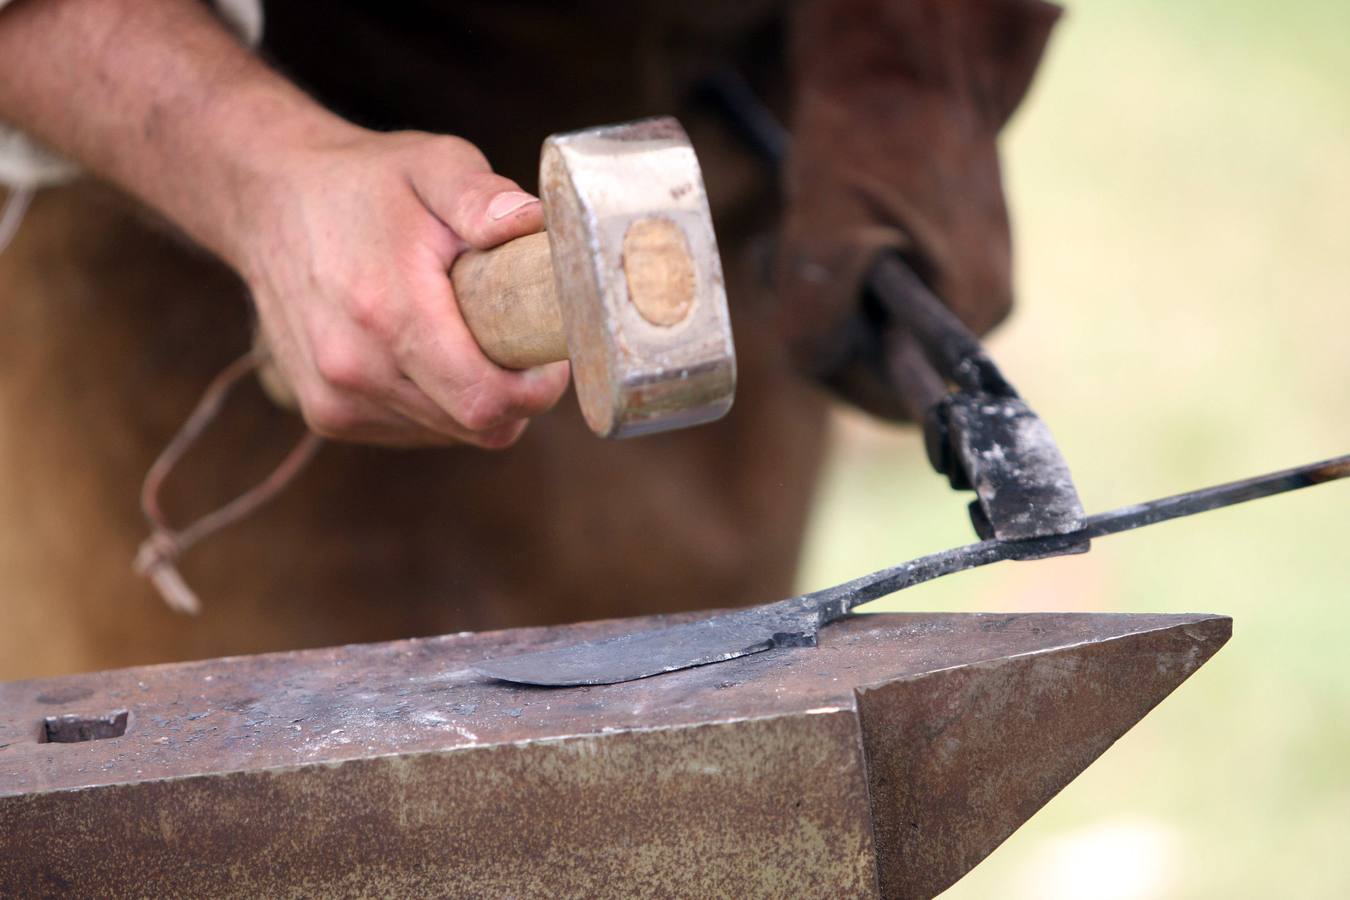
<point>504,204</point>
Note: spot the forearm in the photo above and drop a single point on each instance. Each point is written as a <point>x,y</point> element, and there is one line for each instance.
<point>157,97</point>
<point>343,236</point>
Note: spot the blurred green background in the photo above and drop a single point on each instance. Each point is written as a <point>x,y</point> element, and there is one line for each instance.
<point>1180,182</point>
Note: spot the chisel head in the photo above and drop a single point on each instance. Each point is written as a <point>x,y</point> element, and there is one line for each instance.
<point>1010,459</point>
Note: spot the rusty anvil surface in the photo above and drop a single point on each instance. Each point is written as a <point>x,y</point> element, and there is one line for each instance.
<point>886,762</point>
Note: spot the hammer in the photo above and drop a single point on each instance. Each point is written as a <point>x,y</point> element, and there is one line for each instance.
<point>625,282</point>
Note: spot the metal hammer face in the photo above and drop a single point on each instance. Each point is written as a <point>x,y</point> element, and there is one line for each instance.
<point>638,277</point>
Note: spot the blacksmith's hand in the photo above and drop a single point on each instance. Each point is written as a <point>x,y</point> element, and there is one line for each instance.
<point>347,261</point>
<point>343,235</point>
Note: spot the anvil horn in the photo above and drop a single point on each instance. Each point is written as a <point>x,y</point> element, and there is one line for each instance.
<point>959,757</point>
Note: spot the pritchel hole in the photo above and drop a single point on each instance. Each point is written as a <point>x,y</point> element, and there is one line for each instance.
<point>73,728</point>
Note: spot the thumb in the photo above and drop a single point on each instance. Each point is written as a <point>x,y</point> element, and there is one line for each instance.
<point>483,209</point>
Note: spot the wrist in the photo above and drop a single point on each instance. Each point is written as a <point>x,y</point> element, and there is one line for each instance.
<point>260,143</point>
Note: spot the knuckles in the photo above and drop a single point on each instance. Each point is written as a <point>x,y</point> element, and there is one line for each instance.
<point>342,364</point>
<point>372,312</point>
<point>484,411</point>
<point>330,415</point>
<point>440,147</point>
<point>493,403</point>
<point>431,153</point>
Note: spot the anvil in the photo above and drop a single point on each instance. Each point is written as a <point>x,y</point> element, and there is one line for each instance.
<point>886,762</point>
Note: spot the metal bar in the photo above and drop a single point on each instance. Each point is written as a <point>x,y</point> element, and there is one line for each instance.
<point>841,599</point>
<point>955,351</point>
<point>921,389</point>
<point>755,123</point>
<point>1206,499</point>
<point>798,620</point>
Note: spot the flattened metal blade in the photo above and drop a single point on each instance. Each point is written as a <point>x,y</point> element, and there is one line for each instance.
<point>789,623</point>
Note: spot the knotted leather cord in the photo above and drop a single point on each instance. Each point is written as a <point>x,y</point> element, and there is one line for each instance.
<point>11,215</point>
<point>159,553</point>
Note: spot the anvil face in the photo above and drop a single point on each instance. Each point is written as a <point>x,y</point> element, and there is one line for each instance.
<point>886,762</point>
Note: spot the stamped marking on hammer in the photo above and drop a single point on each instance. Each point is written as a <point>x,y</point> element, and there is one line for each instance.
<point>659,269</point>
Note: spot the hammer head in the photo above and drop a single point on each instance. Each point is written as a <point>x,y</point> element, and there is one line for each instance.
<point>638,277</point>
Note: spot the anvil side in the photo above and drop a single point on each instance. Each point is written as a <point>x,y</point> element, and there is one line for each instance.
<point>886,762</point>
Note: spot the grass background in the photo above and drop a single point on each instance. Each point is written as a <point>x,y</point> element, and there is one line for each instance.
<point>1180,179</point>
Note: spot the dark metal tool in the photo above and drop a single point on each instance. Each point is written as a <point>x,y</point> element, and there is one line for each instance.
<point>978,431</point>
<point>796,622</point>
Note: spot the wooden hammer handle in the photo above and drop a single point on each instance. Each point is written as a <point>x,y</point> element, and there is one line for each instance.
<point>510,304</point>
<point>508,300</point>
